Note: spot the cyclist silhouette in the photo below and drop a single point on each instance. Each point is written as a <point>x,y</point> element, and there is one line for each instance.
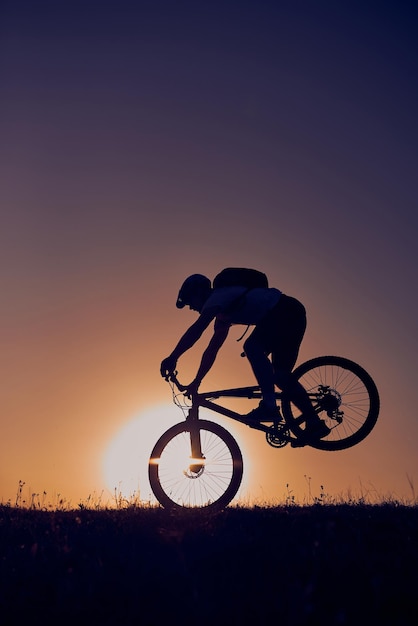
<point>279,324</point>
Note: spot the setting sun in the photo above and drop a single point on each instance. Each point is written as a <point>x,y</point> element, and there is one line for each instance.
<point>125,461</point>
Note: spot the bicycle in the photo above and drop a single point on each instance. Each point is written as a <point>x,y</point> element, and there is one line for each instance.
<point>198,463</point>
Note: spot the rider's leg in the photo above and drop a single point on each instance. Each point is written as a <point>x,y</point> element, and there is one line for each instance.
<point>315,428</point>
<point>262,368</point>
<point>268,333</point>
<point>296,392</point>
<point>286,337</point>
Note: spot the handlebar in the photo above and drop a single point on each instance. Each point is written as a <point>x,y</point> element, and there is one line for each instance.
<point>172,378</point>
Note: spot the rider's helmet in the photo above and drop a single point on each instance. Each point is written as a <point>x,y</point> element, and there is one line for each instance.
<point>194,285</point>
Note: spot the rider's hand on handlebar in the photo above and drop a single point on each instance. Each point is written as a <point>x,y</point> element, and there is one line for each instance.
<point>168,366</point>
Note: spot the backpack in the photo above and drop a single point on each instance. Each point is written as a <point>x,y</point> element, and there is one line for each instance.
<point>240,277</point>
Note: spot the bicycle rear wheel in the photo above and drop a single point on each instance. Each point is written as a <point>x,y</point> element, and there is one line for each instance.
<point>183,483</point>
<point>343,395</point>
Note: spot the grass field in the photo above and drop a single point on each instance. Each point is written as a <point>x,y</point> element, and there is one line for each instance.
<point>291,565</point>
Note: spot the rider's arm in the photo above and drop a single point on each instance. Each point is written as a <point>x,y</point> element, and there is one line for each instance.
<point>193,333</point>
<point>208,358</point>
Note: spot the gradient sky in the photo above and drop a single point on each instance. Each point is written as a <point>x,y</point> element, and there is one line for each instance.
<point>144,141</point>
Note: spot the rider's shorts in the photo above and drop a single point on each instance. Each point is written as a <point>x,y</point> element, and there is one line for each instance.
<point>281,332</point>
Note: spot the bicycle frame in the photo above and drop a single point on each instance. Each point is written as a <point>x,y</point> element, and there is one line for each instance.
<point>206,398</point>
<point>278,431</point>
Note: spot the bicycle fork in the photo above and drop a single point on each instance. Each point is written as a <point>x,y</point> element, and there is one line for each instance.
<point>197,458</point>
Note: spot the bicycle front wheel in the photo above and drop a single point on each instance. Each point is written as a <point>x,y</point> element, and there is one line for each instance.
<point>183,483</point>
<point>343,394</point>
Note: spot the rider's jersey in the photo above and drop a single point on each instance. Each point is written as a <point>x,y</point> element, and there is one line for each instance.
<point>241,306</point>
